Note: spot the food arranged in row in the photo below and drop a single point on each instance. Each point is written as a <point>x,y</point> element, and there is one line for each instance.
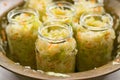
<point>95,38</point>
<point>22,34</point>
<point>65,37</point>
<point>58,51</point>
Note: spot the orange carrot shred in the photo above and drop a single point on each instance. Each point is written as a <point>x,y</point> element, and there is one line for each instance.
<point>49,46</point>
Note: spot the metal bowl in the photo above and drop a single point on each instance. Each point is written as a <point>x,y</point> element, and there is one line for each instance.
<point>112,6</point>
